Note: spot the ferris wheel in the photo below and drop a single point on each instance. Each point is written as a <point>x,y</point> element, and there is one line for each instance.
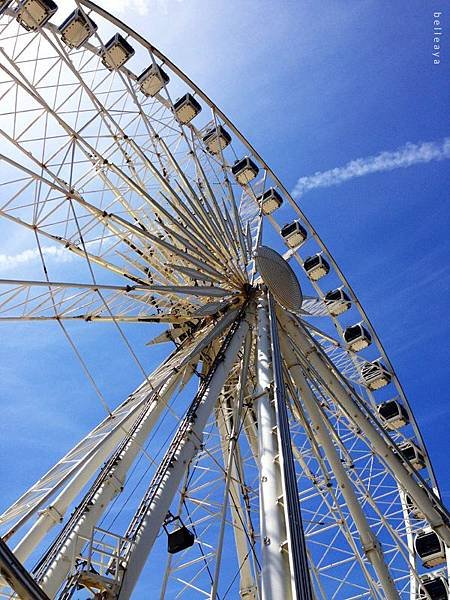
<point>272,453</point>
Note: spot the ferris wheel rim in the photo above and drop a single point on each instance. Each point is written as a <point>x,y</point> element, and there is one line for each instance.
<point>144,42</point>
<point>217,111</point>
<point>116,21</point>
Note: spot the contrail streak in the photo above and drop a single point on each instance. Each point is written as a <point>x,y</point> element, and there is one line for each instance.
<point>405,156</point>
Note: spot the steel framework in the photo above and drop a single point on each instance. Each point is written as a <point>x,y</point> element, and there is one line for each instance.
<point>273,449</point>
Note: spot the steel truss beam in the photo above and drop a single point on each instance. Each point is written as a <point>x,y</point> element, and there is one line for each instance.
<point>78,465</point>
<point>296,539</point>
<point>322,368</point>
<point>276,580</point>
<point>56,563</point>
<point>155,505</point>
<point>370,544</point>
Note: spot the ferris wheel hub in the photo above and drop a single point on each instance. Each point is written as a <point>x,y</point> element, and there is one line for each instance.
<point>279,277</point>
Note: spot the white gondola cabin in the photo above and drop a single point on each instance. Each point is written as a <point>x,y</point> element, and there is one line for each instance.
<point>186,108</point>
<point>293,234</point>
<point>216,139</point>
<point>357,337</point>
<point>270,201</point>
<point>375,375</point>
<point>76,29</point>
<point>337,302</point>
<point>117,52</point>
<point>430,548</point>
<point>244,170</point>
<point>32,14</point>
<point>393,414</point>
<point>316,267</point>
<point>413,454</point>
<point>433,587</point>
<point>152,80</point>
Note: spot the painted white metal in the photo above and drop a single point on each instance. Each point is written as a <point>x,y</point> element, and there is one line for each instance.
<point>54,513</point>
<point>61,564</point>
<point>229,432</point>
<point>276,579</point>
<point>158,508</point>
<point>220,228</point>
<point>296,545</point>
<point>193,290</point>
<point>97,444</point>
<point>371,545</point>
<point>326,371</point>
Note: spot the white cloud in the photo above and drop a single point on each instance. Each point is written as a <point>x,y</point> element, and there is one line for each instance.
<point>119,7</point>
<point>405,156</point>
<point>123,7</point>
<point>58,254</point>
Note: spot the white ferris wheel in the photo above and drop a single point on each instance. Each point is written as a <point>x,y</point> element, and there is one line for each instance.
<point>272,454</point>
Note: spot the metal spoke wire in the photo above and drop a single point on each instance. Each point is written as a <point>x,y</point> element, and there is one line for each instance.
<point>138,201</point>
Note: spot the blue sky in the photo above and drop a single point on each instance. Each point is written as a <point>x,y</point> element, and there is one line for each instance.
<point>313,85</point>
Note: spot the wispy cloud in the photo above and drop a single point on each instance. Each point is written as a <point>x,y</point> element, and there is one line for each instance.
<point>405,156</point>
<point>141,7</point>
<point>9,262</point>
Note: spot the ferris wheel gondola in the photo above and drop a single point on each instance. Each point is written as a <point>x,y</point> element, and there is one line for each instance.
<point>291,464</point>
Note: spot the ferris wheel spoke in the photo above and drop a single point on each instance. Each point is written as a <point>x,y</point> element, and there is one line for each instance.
<point>44,300</point>
<point>198,204</point>
<point>237,230</point>
<point>138,189</point>
<point>102,112</point>
<point>99,260</point>
<point>227,238</point>
<point>135,147</point>
<point>165,205</point>
<point>208,226</point>
<point>161,289</point>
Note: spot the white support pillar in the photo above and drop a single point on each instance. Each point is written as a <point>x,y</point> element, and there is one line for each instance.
<point>325,370</point>
<point>182,449</point>
<point>53,514</point>
<point>229,427</point>
<point>112,485</point>
<point>78,465</point>
<point>276,578</point>
<point>369,542</point>
<point>232,497</point>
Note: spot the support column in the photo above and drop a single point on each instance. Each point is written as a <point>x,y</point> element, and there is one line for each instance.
<point>156,503</point>
<point>229,427</point>
<point>53,514</point>
<point>325,370</point>
<point>275,568</point>
<point>58,561</point>
<point>368,539</point>
<point>301,582</point>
